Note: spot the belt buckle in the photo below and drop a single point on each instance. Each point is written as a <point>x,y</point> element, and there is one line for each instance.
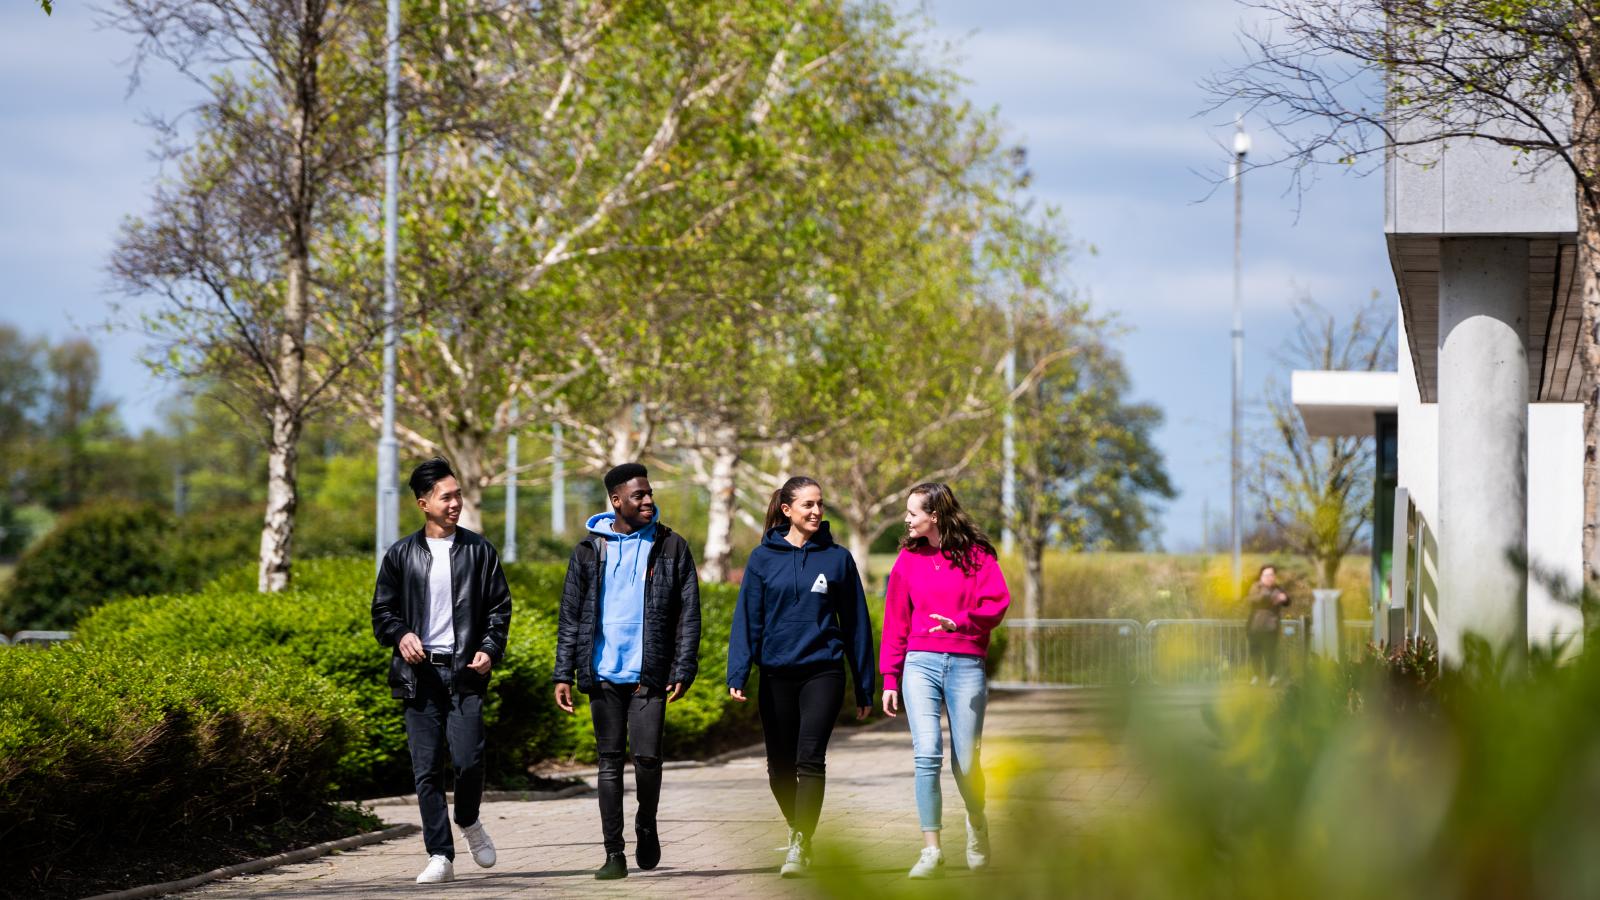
<point>438,658</point>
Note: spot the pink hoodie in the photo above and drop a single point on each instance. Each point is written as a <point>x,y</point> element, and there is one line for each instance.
<point>923,581</point>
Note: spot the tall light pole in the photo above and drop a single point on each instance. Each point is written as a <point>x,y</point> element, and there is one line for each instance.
<point>1008,439</point>
<point>388,517</point>
<point>508,550</point>
<point>1241,146</point>
<point>558,482</point>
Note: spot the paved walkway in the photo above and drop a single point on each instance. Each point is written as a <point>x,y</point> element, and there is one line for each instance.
<point>721,831</point>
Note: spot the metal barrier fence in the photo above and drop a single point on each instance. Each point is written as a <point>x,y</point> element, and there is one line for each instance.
<point>1110,652</point>
<point>1071,651</point>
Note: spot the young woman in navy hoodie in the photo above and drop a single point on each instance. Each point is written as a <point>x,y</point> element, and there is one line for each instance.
<point>802,614</point>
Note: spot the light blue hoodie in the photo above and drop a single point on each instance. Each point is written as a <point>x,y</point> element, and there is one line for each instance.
<point>619,648</point>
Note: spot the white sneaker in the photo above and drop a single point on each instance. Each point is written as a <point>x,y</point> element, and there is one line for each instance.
<point>977,845</point>
<point>439,870</point>
<point>482,847</point>
<point>798,861</point>
<point>930,864</point>
<point>794,838</point>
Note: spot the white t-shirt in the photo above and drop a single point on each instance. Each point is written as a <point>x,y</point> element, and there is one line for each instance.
<point>440,632</point>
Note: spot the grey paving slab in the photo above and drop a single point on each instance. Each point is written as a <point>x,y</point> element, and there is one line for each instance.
<point>721,830</point>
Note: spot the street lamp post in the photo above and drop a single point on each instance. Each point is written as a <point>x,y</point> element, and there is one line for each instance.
<point>1008,440</point>
<point>508,551</point>
<point>388,513</point>
<point>1241,146</point>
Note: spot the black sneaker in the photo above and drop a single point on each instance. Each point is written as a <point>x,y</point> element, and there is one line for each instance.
<point>647,852</point>
<point>616,867</point>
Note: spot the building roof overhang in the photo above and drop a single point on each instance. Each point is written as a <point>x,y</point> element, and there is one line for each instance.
<point>1343,404</point>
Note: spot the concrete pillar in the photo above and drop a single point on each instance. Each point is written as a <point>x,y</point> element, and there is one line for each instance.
<point>1483,442</point>
<point>1326,627</point>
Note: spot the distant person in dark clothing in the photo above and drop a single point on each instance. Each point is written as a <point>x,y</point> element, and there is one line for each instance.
<point>1266,602</point>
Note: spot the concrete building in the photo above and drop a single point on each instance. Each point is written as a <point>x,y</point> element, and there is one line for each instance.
<point>1488,420</point>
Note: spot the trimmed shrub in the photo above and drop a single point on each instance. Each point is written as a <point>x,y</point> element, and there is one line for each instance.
<point>118,549</point>
<point>324,622</point>
<point>173,743</point>
<point>92,555</point>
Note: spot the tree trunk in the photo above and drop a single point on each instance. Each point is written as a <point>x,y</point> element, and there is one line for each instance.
<point>467,459</point>
<point>1586,151</point>
<point>718,552</point>
<point>620,428</point>
<point>1032,602</point>
<point>1330,571</point>
<point>470,476</point>
<point>283,457</point>
<point>860,543</point>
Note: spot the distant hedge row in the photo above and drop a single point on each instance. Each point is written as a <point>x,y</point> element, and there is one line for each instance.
<point>105,747</point>
<point>323,626</point>
<point>116,549</point>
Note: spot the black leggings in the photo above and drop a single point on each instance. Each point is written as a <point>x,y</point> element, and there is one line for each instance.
<point>798,709</point>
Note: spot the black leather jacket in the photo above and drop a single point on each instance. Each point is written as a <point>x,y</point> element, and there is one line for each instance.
<point>482,606</point>
<point>671,652</point>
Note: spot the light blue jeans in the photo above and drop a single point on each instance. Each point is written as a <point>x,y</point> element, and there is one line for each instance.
<point>933,683</point>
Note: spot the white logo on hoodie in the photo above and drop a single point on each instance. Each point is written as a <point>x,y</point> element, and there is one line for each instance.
<point>820,586</point>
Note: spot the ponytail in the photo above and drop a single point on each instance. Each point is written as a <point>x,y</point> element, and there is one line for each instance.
<point>784,496</point>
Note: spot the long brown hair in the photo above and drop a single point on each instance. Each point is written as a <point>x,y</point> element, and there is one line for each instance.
<point>783,496</point>
<point>959,536</point>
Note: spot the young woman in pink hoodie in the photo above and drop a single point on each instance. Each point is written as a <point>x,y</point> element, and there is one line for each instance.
<point>946,593</point>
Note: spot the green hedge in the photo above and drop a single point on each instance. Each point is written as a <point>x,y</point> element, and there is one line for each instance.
<point>324,623</point>
<point>103,749</point>
<point>117,549</point>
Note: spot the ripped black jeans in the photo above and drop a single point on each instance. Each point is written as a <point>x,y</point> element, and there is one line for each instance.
<point>627,716</point>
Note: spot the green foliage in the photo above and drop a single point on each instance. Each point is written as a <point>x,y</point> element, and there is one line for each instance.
<point>1374,779</point>
<point>119,549</point>
<point>106,551</point>
<point>174,743</point>
<point>323,624</point>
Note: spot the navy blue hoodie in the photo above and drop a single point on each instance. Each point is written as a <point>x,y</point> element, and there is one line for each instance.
<point>800,606</point>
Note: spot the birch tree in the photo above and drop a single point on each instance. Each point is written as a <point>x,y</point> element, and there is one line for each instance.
<point>233,245</point>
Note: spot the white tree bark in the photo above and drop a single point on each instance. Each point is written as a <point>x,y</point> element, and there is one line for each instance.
<point>283,453</point>
<point>718,554</point>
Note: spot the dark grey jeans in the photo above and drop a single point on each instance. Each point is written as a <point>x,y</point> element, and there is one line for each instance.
<point>626,718</point>
<point>436,719</point>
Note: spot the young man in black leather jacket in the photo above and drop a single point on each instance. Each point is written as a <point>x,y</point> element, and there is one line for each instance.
<point>442,603</point>
<point>629,636</point>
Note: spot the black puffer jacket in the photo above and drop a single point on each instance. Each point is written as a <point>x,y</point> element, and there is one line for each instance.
<point>671,614</point>
<point>482,606</point>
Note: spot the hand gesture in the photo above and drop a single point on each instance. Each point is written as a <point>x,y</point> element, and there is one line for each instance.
<point>941,623</point>
<point>481,663</point>
<point>737,694</point>
<point>564,698</point>
<point>411,649</point>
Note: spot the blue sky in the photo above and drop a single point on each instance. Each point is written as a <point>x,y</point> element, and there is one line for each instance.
<point>1104,95</point>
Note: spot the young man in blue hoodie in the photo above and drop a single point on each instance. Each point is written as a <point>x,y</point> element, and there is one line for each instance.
<point>629,637</point>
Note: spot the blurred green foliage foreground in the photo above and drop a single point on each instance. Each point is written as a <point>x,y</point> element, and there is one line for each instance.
<point>1374,778</point>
